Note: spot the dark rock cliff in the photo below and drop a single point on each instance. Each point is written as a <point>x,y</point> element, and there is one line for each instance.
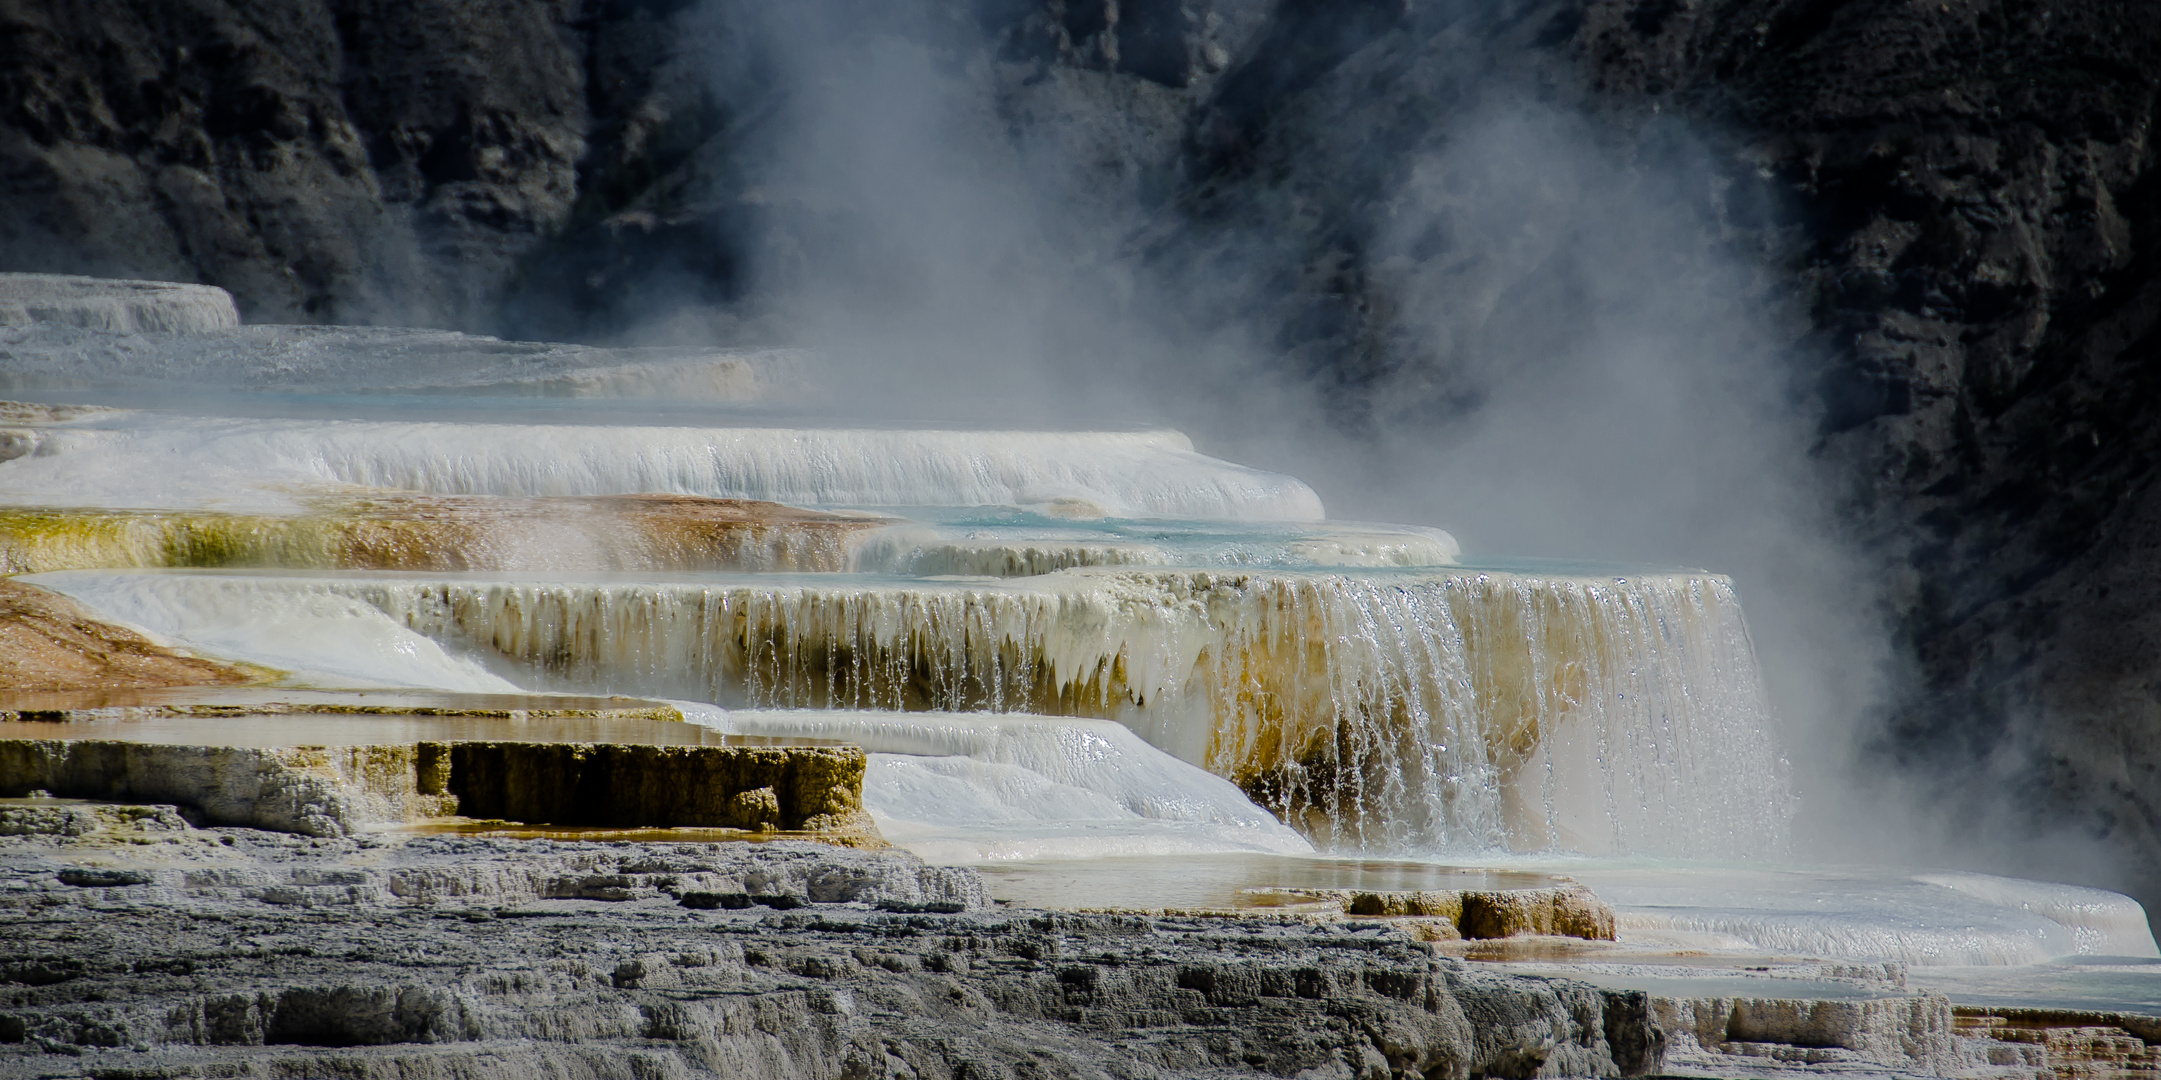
<point>325,162</point>
<point>1952,209</point>
<point>1978,186</point>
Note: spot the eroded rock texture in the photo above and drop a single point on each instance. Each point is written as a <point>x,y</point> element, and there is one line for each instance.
<point>275,954</point>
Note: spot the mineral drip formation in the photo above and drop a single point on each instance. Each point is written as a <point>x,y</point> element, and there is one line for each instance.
<point>1414,711</point>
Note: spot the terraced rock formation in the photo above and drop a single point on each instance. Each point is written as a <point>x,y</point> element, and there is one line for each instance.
<point>334,790</point>
<point>121,306</point>
<point>1954,204</point>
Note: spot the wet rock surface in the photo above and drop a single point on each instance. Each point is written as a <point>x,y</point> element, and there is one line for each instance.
<point>150,948</point>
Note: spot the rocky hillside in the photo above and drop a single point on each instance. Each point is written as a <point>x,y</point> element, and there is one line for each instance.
<point>1938,222</point>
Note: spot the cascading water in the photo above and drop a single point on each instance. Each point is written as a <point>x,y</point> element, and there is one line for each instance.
<point>1408,711</point>
<point>149,460</point>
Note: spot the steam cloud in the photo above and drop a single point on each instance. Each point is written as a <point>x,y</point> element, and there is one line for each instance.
<point>1574,359</point>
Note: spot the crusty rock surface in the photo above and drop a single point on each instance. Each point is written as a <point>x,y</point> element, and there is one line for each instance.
<point>146,948</point>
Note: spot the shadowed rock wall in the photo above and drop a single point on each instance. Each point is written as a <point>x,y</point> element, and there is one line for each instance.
<point>324,161</point>
<point>1982,260</point>
<point>1962,201</point>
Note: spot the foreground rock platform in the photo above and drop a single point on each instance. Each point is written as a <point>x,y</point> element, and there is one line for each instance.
<point>136,944</point>
<point>444,957</point>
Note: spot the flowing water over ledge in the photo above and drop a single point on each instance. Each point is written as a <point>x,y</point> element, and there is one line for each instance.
<point>150,460</point>
<point>1416,711</point>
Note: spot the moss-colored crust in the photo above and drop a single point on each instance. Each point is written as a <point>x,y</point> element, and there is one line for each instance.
<point>433,532</point>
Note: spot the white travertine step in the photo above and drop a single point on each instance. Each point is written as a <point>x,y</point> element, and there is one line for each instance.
<point>116,305</point>
<point>132,459</point>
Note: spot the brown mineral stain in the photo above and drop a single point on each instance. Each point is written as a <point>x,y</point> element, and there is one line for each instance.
<point>48,642</point>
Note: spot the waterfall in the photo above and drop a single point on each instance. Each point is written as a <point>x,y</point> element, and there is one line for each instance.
<point>1414,711</point>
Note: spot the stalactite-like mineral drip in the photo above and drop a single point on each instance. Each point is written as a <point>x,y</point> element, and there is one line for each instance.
<point>1415,710</point>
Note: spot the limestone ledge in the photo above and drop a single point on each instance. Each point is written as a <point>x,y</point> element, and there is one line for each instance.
<point>1913,1031</point>
<point>1899,1035</point>
<point>2055,1043</point>
<point>113,304</point>
<point>338,790</point>
<point>1454,914</point>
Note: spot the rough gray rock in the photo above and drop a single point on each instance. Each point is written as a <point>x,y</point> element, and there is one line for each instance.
<point>140,947</point>
<point>178,864</point>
